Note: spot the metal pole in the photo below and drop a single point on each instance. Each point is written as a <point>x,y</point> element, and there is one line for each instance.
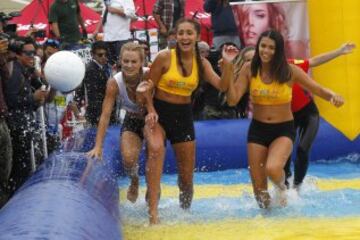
<point>32,156</point>
<point>43,131</point>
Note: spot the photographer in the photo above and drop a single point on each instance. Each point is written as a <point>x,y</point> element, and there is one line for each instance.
<point>22,100</point>
<point>5,27</point>
<point>35,33</point>
<point>5,140</point>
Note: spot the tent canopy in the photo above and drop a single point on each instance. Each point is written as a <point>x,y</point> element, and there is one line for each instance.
<point>36,13</point>
<point>194,7</point>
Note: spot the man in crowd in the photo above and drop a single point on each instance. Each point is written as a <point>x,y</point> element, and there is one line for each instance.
<point>65,18</point>
<point>97,74</point>
<point>223,23</point>
<point>166,13</point>
<point>5,140</point>
<point>22,100</point>
<point>116,19</point>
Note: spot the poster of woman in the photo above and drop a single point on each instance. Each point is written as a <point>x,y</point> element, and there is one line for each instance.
<point>286,16</point>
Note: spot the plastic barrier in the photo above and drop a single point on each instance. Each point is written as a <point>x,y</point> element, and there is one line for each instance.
<point>221,144</point>
<point>69,197</point>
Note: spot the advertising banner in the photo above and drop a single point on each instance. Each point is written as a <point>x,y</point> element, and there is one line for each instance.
<point>288,17</point>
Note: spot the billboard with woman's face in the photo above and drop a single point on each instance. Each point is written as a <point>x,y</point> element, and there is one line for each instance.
<point>288,17</point>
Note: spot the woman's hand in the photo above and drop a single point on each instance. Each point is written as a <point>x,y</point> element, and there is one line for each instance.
<point>151,118</point>
<point>95,153</point>
<point>347,48</point>
<point>337,100</point>
<point>144,92</point>
<point>145,86</point>
<point>229,52</point>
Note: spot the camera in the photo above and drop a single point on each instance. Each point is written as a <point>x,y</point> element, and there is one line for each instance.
<point>40,34</point>
<point>4,18</point>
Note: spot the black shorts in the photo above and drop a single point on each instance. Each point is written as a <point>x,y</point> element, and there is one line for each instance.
<point>265,133</point>
<point>133,123</point>
<point>177,121</point>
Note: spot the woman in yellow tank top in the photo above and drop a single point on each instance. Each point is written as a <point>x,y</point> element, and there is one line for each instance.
<point>175,75</point>
<point>271,133</point>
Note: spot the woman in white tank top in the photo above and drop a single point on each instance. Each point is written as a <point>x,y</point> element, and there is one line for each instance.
<point>123,85</point>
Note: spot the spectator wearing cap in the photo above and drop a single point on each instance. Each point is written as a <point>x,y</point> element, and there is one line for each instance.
<point>223,23</point>
<point>50,47</point>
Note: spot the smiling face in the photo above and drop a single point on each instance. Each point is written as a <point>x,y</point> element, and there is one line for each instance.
<point>255,21</point>
<point>26,57</point>
<point>131,62</point>
<point>267,49</point>
<point>186,36</point>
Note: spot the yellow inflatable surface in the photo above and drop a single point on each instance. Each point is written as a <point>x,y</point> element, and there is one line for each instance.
<point>235,190</point>
<point>258,228</point>
<point>254,228</point>
<point>331,24</point>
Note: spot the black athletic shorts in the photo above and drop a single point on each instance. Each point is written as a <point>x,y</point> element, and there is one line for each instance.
<point>265,133</point>
<point>133,123</point>
<point>177,121</point>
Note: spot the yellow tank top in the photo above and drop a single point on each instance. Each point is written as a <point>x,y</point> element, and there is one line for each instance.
<point>269,94</point>
<point>173,82</point>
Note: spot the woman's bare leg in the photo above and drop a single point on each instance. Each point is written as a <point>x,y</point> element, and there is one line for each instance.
<point>257,155</point>
<point>279,152</point>
<point>185,155</point>
<point>130,149</point>
<point>155,143</point>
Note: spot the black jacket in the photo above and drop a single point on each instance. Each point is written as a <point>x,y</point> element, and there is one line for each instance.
<point>4,74</point>
<point>19,97</point>
<point>92,91</point>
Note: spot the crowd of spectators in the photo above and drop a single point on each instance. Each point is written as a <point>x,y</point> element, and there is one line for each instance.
<point>24,91</point>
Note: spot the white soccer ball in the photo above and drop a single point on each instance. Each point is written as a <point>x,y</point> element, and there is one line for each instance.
<point>64,71</point>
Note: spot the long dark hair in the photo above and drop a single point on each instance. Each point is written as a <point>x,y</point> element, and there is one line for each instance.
<point>197,52</point>
<point>279,69</point>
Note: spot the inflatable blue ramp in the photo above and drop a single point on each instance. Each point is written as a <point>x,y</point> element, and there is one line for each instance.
<point>70,197</point>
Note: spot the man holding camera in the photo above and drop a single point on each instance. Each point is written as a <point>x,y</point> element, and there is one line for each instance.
<point>22,100</point>
<point>5,140</point>
<point>65,18</point>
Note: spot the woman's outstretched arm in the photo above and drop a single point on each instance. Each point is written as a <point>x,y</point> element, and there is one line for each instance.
<point>305,81</point>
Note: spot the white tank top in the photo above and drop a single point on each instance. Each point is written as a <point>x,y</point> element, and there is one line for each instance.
<point>125,102</point>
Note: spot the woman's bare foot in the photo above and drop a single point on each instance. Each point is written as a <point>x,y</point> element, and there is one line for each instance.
<point>133,190</point>
<point>153,218</point>
<point>280,196</point>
